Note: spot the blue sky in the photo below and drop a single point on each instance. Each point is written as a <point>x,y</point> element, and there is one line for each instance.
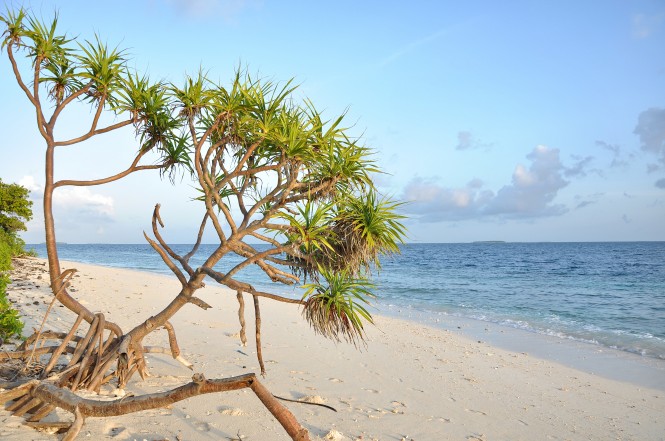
<point>516,121</point>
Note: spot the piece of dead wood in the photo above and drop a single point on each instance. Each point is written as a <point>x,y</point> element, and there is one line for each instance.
<point>306,402</point>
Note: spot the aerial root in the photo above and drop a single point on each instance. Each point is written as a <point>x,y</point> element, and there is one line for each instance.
<point>259,352</point>
<point>241,317</point>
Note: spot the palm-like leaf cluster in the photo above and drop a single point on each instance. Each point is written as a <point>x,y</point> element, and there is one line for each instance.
<point>337,309</point>
<point>282,169</point>
<point>96,73</point>
<point>268,169</point>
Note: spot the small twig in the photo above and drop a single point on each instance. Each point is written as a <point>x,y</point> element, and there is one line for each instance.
<point>305,402</point>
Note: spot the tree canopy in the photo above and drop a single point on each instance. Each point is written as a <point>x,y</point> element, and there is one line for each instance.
<point>280,185</point>
<point>15,207</point>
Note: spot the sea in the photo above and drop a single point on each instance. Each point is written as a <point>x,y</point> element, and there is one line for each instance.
<point>604,294</point>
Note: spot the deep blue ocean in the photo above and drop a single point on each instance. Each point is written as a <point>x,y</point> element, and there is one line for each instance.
<point>608,294</point>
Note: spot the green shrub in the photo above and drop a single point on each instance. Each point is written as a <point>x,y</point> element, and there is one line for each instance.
<point>10,322</point>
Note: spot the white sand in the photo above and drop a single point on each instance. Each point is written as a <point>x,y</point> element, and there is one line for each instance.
<point>411,382</point>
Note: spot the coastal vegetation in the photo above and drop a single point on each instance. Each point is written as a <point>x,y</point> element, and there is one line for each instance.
<point>269,168</point>
<point>15,211</point>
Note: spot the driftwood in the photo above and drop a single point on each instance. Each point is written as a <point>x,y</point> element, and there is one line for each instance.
<point>93,358</point>
<point>40,397</point>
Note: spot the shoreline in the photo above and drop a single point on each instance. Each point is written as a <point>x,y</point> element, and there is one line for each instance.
<point>595,359</point>
<point>412,381</point>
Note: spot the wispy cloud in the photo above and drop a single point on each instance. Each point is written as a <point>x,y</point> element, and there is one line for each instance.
<point>618,158</point>
<point>77,202</point>
<point>530,194</point>
<point>412,46</point>
<point>580,168</point>
<point>467,141</point>
<point>427,39</point>
<point>585,201</point>
<point>644,25</point>
<point>226,9</point>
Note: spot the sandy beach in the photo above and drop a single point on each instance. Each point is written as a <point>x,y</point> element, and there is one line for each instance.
<point>411,382</point>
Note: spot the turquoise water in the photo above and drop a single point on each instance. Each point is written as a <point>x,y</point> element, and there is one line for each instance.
<point>607,294</point>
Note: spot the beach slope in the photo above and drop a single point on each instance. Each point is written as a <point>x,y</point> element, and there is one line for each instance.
<point>411,382</point>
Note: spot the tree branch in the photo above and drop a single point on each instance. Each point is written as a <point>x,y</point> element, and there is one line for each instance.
<point>94,132</point>
<point>66,102</point>
<point>132,168</point>
<point>167,261</point>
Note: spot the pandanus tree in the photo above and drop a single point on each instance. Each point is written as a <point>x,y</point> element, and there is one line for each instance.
<point>279,187</point>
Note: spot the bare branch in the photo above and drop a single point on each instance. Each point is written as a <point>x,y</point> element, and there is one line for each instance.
<point>200,303</point>
<point>131,169</point>
<point>94,132</point>
<point>187,256</point>
<point>66,102</point>
<point>68,401</point>
<point>245,287</point>
<point>166,260</point>
<point>41,121</point>
<point>157,218</point>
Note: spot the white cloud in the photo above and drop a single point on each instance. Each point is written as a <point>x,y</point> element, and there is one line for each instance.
<point>530,194</point>
<point>435,203</point>
<point>83,200</point>
<point>30,183</point>
<point>76,202</point>
<point>532,190</point>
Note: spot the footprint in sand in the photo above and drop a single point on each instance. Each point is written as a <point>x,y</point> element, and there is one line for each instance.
<point>118,433</point>
<point>232,411</point>
<point>202,426</point>
<point>335,380</point>
<point>374,391</point>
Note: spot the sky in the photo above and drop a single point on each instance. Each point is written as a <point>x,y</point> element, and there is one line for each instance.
<point>518,121</point>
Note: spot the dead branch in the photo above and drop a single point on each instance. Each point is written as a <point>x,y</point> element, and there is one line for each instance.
<point>67,400</point>
<point>174,269</point>
<point>281,413</point>
<point>200,303</point>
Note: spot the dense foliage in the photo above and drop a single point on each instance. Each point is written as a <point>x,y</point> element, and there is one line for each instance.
<point>269,168</point>
<point>15,210</point>
<point>15,207</point>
